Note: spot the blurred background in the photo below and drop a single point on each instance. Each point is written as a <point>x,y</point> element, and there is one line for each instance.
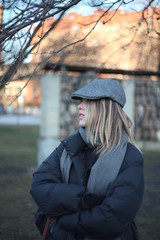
<point>42,63</point>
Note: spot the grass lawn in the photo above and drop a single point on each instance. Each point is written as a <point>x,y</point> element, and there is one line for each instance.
<point>148,219</point>
<point>18,156</point>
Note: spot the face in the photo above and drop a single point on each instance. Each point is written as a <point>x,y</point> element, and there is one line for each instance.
<point>82,107</point>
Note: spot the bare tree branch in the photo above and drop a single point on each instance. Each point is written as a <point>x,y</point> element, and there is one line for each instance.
<point>8,32</point>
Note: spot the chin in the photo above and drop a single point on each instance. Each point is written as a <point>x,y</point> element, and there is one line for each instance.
<point>81,124</point>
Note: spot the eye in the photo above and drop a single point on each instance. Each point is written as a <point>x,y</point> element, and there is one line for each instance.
<point>79,101</point>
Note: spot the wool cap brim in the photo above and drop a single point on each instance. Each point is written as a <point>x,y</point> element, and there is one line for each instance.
<point>102,88</point>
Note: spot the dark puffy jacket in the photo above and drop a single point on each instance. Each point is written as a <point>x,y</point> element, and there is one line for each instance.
<point>76,214</point>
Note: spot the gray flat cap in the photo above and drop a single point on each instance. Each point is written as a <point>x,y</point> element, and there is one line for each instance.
<point>102,88</point>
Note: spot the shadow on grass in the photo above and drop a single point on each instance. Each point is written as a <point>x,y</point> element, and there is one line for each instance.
<point>18,159</point>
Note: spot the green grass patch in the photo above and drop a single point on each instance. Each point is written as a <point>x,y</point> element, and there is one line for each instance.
<point>18,160</point>
<point>149,215</point>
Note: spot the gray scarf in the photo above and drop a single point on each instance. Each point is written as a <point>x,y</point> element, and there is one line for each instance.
<point>104,170</point>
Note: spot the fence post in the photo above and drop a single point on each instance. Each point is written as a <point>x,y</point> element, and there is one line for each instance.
<point>50,105</point>
<point>129,88</point>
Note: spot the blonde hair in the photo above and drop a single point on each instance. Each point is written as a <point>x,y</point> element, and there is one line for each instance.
<point>105,123</point>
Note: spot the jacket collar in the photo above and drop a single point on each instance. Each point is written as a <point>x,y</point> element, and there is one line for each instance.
<point>74,144</point>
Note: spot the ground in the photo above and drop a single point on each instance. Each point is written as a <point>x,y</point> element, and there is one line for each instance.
<point>18,160</point>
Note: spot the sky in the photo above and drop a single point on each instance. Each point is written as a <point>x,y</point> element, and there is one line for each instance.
<point>135,5</point>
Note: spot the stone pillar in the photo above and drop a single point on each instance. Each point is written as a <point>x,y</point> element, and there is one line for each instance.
<point>50,105</point>
<point>129,88</point>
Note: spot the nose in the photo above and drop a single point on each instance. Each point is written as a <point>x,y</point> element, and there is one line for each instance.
<point>80,106</point>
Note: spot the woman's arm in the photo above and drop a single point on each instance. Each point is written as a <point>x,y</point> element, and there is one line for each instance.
<point>117,211</point>
<point>52,196</point>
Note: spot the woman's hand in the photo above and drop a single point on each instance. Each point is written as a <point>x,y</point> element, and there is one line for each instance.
<point>91,200</point>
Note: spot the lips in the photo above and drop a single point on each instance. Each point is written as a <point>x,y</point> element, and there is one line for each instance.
<point>81,115</point>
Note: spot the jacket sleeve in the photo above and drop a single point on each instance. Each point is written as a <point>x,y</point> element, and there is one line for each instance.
<point>117,211</point>
<point>52,196</point>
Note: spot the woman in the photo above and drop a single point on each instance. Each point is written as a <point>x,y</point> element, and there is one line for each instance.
<point>91,186</point>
